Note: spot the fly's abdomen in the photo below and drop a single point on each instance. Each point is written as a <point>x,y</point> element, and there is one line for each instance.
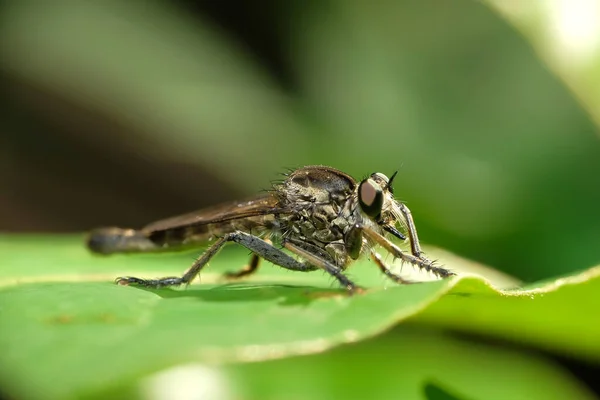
<point>200,233</point>
<point>118,240</point>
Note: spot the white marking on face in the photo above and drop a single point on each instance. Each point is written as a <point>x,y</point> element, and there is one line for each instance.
<point>382,176</point>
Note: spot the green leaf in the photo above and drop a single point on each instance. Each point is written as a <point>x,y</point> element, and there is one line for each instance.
<point>403,364</point>
<point>60,307</point>
<point>557,316</point>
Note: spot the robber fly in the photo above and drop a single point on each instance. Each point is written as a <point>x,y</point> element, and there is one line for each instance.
<point>321,215</point>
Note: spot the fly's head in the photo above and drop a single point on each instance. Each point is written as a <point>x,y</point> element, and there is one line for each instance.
<point>376,201</point>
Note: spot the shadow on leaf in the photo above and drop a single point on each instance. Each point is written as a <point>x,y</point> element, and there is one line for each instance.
<point>435,392</point>
<point>288,295</point>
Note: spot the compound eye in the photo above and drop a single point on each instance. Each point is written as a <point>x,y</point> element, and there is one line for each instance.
<point>370,197</point>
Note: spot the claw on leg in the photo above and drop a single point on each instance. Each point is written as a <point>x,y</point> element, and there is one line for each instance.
<point>150,283</point>
<point>356,290</point>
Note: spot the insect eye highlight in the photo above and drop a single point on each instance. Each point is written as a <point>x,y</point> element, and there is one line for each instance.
<point>370,197</point>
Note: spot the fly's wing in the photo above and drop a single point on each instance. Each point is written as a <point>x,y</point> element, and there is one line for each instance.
<point>189,229</point>
<point>222,213</point>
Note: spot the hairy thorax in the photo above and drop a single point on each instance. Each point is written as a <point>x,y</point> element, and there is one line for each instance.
<point>320,212</point>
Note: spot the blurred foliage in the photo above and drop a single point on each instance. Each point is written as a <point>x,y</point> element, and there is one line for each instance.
<point>567,37</point>
<point>122,112</point>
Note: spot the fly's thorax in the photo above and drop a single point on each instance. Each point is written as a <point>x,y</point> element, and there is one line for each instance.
<point>313,222</point>
<point>326,204</point>
<point>319,183</point>
<point>315,197</point>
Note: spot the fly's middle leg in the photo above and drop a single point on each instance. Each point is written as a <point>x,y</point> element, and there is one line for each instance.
<point>306,251</point>
<point>258,246</point>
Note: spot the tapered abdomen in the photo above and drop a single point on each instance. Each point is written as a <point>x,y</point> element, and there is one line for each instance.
<point>118,240</point>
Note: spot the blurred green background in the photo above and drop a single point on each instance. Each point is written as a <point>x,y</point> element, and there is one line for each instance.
<point>118,113</point>
<point>122,112</point>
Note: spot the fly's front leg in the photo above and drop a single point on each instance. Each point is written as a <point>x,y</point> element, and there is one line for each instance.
<point>415,246</point>
<point>421,262</point>
<point>386,270</point>
<point>255,244</point>
<point>354,241</point>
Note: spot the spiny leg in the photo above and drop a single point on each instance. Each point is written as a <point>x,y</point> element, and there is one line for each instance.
<point>187,277</point>
<point>314,250</point>
<point>255,244</point>
<point>386,270</point>
<point>420,262</point>
<point>415,246</point>
<point>322,263</point>
<point>355,245</point>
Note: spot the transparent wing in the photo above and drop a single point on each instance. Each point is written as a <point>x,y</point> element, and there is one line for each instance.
<point>263,205</point>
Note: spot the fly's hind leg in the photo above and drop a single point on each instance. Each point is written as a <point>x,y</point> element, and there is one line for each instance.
<point>258,246</point>
<point>248,269</point>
